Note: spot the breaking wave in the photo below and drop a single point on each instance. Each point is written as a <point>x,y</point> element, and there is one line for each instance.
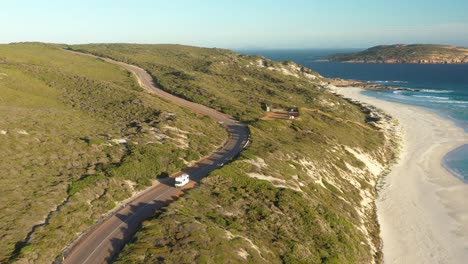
<point>431,97</point>
<point>448,102</point>
<point>387,81</point>
<point>435,91</point>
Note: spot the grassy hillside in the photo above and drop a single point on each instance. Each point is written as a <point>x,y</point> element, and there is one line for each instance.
<point>302,192</point>
<point>417,53</point>
<point>221,79</point>
<point>61,166</point>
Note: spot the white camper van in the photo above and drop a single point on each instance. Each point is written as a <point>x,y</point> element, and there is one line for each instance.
<point>182,180</point>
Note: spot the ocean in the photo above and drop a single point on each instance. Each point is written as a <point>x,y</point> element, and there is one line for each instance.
<point>439,88</point>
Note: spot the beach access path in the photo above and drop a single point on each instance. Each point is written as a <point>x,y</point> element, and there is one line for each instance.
<point>421,207</point>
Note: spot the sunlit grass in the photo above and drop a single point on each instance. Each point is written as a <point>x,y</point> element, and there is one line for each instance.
<point>59,112</point>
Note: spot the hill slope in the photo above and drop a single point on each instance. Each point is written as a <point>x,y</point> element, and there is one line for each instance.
<point>303,191</point>
<point>417,53</point>
<point>79,136</point>
<point>221,79</point>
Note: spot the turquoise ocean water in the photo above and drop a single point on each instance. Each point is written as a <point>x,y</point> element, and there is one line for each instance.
<point>439,88</point>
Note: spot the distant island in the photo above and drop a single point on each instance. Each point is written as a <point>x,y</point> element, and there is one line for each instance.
<point>401,53</point>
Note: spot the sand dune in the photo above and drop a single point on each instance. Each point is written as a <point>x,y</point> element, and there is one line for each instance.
<point>422,208</point>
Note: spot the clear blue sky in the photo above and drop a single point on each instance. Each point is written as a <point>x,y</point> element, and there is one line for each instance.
<point>237,24</point>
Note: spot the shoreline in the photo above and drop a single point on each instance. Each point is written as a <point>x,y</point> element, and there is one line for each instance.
<point>421,205</point>
<point>451,170</point>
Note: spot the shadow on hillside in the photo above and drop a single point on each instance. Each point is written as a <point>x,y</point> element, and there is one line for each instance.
<point>132,216</point>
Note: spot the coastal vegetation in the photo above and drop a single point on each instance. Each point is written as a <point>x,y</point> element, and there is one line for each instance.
<point>416,53</point>
<point>78,137</point>
<point>302,192</point>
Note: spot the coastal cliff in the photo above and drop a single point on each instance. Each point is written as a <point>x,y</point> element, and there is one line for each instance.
<point>401,53</point>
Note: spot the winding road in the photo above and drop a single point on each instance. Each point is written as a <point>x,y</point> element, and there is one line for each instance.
<point>103,242</point>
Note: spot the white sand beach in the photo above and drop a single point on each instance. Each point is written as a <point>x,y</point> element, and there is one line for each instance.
<point>422,208</point>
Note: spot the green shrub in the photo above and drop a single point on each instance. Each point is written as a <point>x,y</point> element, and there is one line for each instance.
<point>85,182</point>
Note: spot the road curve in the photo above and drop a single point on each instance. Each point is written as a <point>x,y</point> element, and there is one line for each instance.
<point>103,242</point>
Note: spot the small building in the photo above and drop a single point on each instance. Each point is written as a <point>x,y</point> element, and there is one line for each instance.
<point>293,109</point>
<point>266,107</point>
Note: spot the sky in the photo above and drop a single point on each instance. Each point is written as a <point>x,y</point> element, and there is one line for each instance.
<point>237,24</point>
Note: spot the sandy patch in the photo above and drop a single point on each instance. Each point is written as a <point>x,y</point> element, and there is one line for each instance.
<point>22,132</point>
<point>242,253</point>
<point>119,140</point>
<point>374,166</point>
<point>280,183</point>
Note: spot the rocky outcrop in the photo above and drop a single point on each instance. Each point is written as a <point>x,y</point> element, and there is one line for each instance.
<point>416,54</point>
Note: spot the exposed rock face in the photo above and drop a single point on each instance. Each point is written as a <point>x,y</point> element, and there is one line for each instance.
<point>417,53</point>
<point>289,68</point>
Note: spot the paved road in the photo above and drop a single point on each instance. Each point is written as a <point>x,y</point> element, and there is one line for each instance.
<point>104,241</point>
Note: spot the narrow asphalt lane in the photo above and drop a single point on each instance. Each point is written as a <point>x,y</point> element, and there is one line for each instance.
<point>105,240</point>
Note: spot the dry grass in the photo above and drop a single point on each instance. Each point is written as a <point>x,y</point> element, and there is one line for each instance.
<point>59,168</point>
